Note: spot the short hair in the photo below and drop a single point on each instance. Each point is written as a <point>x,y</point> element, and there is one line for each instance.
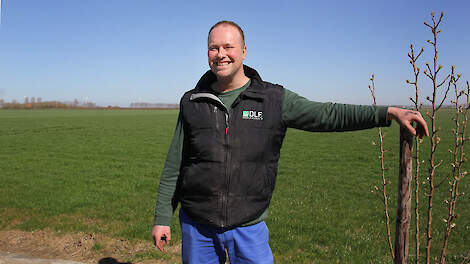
<point>231,23</point>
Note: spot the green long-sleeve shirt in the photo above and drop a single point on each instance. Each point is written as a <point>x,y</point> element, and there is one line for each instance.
<point>297,112</point>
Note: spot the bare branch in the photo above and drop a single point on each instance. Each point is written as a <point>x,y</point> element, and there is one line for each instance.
<point>440,19</point>
<point>445,94</point>
<point>383,169</point>
<point>419,54</point>
<point>434,138</point>
<point>429,67</point>
<point>439,85</point>
<point>464,261</point>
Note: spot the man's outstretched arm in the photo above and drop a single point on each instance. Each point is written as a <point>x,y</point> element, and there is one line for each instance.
<point>301,113</point>
<point>405,118</point>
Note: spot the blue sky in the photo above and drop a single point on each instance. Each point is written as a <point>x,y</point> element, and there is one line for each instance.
<point>117,51</point>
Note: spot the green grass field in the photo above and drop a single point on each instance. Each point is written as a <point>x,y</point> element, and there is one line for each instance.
<point>98,171</point>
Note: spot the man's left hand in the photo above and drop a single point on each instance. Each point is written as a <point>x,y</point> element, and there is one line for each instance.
<point>406,117</point>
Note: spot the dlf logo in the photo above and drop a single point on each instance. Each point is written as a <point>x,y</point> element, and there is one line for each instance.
<point>253,115</point>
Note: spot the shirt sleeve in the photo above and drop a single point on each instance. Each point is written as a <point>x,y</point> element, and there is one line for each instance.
<point>301,113</point>
<point>165,207</point>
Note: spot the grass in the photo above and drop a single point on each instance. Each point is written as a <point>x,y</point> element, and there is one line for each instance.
<point>98,246</point>
<point>98,171</point>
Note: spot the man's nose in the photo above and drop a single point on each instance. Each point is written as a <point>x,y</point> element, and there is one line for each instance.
<point>221,52</point>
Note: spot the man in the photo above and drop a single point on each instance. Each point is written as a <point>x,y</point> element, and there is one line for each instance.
<point>222,163</point>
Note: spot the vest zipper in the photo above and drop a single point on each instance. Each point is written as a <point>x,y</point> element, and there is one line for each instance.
<point>227,171</point>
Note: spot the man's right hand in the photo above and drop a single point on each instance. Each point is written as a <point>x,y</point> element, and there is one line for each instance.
<point>161,236</point>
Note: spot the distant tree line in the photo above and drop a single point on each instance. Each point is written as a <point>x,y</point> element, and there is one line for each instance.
<point>37,103</point>
<point>153,105</point>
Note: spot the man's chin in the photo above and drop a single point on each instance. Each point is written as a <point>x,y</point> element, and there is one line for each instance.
<point>222,74</point>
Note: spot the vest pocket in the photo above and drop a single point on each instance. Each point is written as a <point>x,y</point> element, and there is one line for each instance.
<point>249,179</point>
<point>200,180</point>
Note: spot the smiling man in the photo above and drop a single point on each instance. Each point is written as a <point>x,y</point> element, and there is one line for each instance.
<point>222,163</point>
<point>226,53</point>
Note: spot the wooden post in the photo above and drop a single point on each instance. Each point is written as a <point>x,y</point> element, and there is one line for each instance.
<point>402,232</point>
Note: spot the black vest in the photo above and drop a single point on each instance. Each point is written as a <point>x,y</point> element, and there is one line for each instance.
<point>230,156</point>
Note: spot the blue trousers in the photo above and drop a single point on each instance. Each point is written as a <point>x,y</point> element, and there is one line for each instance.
<point>206,244</point>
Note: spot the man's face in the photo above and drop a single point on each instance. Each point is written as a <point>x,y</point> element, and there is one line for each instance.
<point>226,51</point>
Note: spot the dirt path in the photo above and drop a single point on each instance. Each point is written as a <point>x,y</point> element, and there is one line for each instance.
<point>87,248</point>
<point>12,258</point>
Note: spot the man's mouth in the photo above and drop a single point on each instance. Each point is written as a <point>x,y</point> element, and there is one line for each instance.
<point>223,63</point>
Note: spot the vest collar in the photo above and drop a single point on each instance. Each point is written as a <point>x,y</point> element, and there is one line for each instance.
<point>209,77</point>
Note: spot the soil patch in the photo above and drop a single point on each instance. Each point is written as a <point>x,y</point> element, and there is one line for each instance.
<point>82,247</point>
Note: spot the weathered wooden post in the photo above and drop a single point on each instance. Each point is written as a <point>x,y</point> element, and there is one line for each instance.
<point>402,232</point>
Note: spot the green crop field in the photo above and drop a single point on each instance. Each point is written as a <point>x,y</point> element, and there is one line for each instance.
<point>98,171</point>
